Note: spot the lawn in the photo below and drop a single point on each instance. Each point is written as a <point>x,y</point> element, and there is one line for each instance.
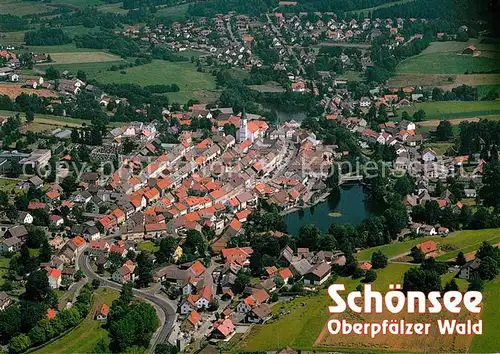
<point>489,342</point>
<point>4,267</point>
<point>439,148</point>
<point>456,109</point>
<point>462,283</point>
<point>431,59</point>
<point>467,241</point>
<point>308,316</point>
<point>84,337</point>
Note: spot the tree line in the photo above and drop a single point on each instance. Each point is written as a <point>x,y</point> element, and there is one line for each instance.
<point>46,36</point>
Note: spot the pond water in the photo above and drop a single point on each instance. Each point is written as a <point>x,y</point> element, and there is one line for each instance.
<point>345,206</point>
<point>285,116</point>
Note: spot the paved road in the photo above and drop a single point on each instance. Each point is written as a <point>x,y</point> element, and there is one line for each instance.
<point>166,312</point>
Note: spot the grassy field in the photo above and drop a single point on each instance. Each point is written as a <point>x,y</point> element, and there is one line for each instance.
<point>467,240</point>
<point>21,8</point>
<point>456,109</point>
<point>484,89</point>
<point>430,60</point>
<point>192,84</point>
<point>114,8</point>
<point>47,123</point>
<point>63,48</point>
<point>367,10</point>
<point>440,148</point>
<point>446,81</point>
<point>177,12</point>
<point>83,57</point>
<point>489,342</point>
<point>84,337</point>
<point>15,38</point>
<point>148,246</point>
<point>4,266</point>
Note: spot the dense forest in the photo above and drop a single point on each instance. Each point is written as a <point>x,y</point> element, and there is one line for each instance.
<point>476,136</point>
<point>11,23</point>
<point>46,36</point>
<point>336,5</point>
<point>212,7</point>
<point>123,46</point>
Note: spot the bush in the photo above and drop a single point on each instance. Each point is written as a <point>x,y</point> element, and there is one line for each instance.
<point>379,260</point>
<point>370,276</point>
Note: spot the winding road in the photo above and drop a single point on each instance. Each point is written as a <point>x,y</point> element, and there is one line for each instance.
<point>166,312</point>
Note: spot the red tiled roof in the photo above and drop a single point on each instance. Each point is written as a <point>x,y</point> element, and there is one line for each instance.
<point>194,317</point>
<point>427,246</point>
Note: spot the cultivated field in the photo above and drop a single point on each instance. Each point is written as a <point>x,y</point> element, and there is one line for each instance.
<point>446,81</point>
<point>83,57</point>
<point>388,4</point>
<point>268,87</point>
<point>456,109</point>
<point>21,8</point>
<point>176,12</point>
<point>192,84</point>
<point>14,90</point>
<point>434,123</point>
<point>431,60</point>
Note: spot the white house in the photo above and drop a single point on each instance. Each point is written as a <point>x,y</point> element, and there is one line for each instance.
<point>365,102</point>
<point>245,305</point>
<point>54,278</point>
<point>25,218</point>
<point>429,155</point>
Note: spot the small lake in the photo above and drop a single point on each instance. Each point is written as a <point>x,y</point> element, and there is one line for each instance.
<point>296,116</point>
<point>348,202</point>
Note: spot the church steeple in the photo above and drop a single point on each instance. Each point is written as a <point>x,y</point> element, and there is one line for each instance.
<point>243,126</point>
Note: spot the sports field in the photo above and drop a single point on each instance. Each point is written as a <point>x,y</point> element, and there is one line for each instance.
<point>431,60</point>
